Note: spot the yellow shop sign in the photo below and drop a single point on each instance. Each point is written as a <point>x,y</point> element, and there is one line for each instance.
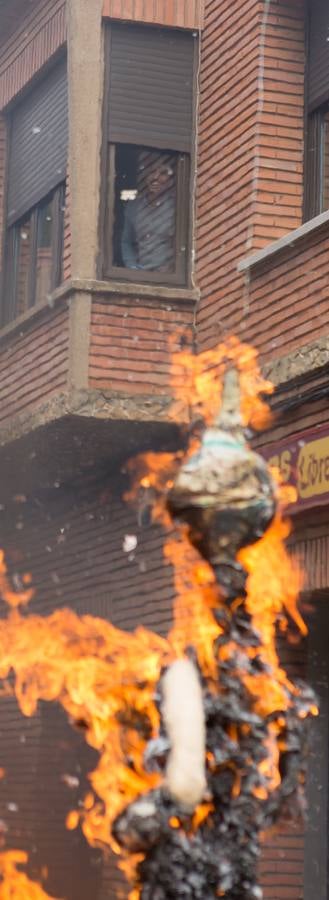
<point>313,468</point>
<point>304,462</point>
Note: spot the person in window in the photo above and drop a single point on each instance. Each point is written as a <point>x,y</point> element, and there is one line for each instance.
<point>148,234</point>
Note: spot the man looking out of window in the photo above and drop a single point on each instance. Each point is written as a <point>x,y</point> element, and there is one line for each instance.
<point>148,234</point>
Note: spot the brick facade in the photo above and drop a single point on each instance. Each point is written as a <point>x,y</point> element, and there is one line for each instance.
<point>226,139</point>
<point>277,195</point>
<point>33,366</point>
<point>284,294</point>
<point>250,150</point>
<point>41,32</point>
<point>174,13</point>
<point>131,346</point>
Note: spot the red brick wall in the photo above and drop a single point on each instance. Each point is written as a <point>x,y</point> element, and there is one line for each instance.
<point>227,116</point>
<point>129,348</point>
<point>41,31</point>
<point>250,149</point>
<point>282,865</point>
<point>288,298</point>
<point>279,144</point>
<point>179,13</point>
<point>33,364</point>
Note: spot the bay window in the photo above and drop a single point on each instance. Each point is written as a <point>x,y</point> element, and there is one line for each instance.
<point>149,138</point>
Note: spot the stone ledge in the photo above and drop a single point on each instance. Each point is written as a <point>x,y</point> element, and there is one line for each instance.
<point>127,289</point>
<point>92,404</point>
<point>304,360</point>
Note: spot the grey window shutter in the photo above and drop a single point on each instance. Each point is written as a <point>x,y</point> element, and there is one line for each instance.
<point>39,142</point>
<point>318,60</point>
<point>151,87</point>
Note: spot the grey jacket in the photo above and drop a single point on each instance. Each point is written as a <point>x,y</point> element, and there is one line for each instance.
<point>148,236</point>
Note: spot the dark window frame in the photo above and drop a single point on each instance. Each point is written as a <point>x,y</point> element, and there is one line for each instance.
<point>12,248</point>
<point>314,131</point>
<point>182,276</point>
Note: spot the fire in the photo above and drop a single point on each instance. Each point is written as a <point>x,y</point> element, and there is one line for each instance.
<point>198,379</point>
<point>14,884</point>
<point>13,598</point>
<point>105,678</point>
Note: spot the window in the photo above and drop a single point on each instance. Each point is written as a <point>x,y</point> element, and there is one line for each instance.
<point>149,140</point>
<point>38,133</point>
<point>34,255</point>
<point>316,196</point>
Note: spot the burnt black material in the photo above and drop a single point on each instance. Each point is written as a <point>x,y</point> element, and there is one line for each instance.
<point>219,857</point>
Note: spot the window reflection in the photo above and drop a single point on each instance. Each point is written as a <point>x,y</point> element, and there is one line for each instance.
<point>23,238</point>
<point>44,252</point>
<point>35,248</point>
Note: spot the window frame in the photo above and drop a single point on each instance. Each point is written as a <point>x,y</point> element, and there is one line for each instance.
<point>120,273</point>
<point>314,125</point>
<point>11,254</point>
<point>182,276</point>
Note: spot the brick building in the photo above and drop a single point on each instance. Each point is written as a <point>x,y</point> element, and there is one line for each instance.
<point>230,101</point>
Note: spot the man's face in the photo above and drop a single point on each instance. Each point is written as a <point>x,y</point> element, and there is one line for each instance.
<point>158,180</point>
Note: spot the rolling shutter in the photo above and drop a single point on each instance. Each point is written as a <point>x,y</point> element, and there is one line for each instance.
<point>151,87</point>
<point>318,62</point>
<point>39,142</point>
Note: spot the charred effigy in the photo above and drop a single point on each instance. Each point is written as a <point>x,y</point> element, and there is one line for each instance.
<point>213,746</point>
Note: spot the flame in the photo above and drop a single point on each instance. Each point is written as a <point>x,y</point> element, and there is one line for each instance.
<point>13,598</point>
<point>105,678</point>
<point>197,379</point>
<point>14,884</point>
<point>196,595</point>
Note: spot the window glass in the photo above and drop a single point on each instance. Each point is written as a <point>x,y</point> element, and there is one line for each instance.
<point>44,251</point>
<point>325,161</point>
<point>144,226</point>
<point>34,256</point>
<point>23,266</point>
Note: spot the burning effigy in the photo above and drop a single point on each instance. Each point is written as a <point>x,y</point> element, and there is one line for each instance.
<point>201,735</point>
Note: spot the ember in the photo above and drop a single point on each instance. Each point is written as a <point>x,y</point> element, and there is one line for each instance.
<point>201,736</point>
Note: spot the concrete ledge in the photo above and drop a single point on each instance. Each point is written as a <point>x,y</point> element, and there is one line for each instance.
<point>289,240</point>
<point>139,292</point>
<point>304,360</point>
<point>106,405</point>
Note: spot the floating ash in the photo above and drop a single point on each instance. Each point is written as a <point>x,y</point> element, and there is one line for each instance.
<point>200,735</point>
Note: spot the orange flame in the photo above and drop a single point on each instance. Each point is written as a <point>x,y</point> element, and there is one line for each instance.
<point>197,383</point>
<point>14,884</point>
<point>105,678</point>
